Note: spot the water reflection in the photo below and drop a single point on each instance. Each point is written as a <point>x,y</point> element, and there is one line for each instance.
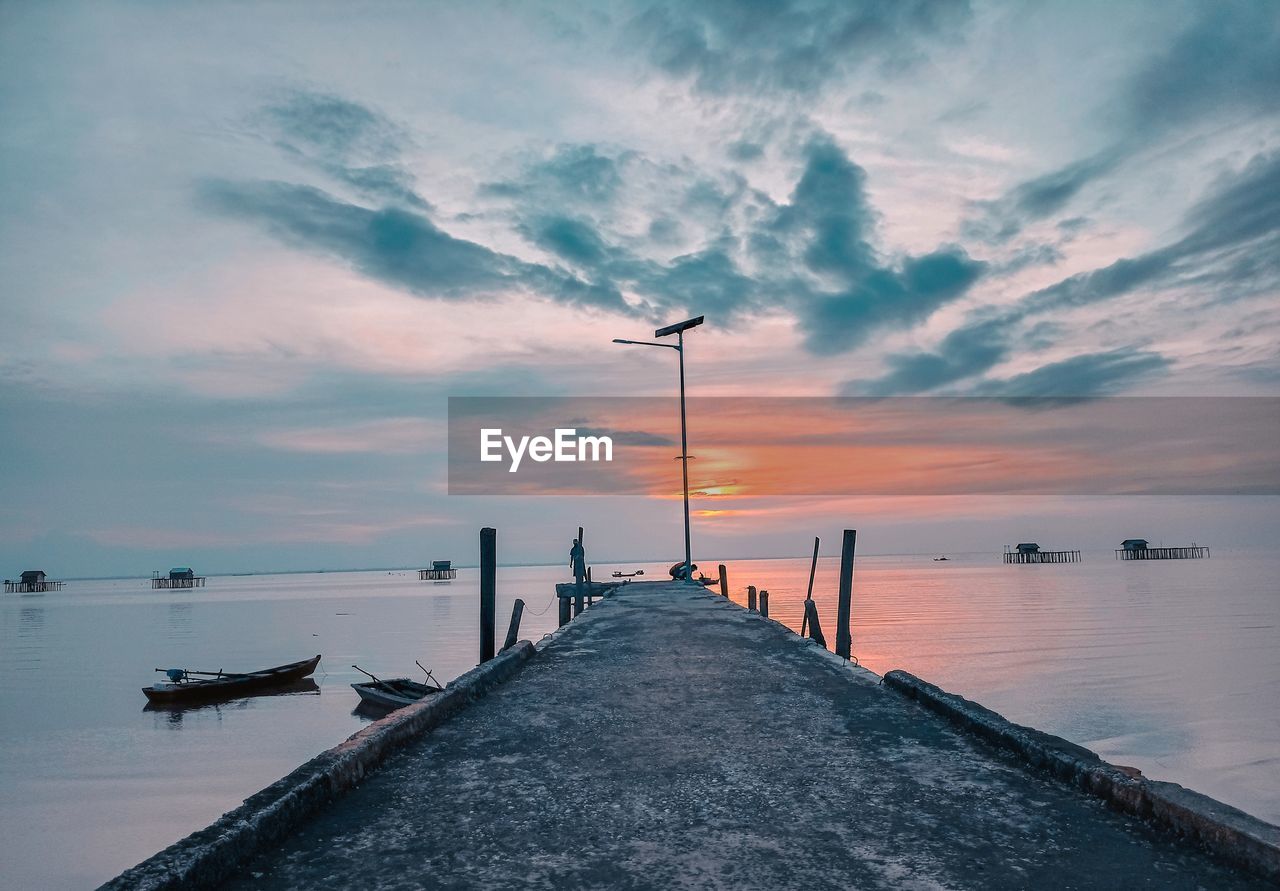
<point>304,687</point>
<point>180,613</point>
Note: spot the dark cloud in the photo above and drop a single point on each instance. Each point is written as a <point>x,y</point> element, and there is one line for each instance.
<point>399,247</point>
<point>793,45</point>
<point>350,142</point>
<point>1226,64</point>
<point>1092,374</point>
<point>578,173</point>
<point>998,221</point>
<point>963,353</point>
<point>745,150</point>
<point>1229,233</point>
<point>1230,247</point>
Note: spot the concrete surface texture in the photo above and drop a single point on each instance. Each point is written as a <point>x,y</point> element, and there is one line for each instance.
<point>670,739</point>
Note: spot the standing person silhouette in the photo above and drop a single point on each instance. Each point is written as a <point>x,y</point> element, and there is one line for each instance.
<point>578,561</point>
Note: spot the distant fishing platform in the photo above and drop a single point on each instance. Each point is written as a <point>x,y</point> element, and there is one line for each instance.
<point>1029,552</point>
<point>666,736</point>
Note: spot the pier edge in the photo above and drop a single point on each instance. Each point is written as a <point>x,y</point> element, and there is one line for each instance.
<point>208,856</point>
<point>1224,831</point>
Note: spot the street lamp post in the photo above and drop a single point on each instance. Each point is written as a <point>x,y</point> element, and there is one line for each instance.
<point>678,329</point>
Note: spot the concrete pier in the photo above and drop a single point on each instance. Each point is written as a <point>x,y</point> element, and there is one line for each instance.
<point>668,738</point>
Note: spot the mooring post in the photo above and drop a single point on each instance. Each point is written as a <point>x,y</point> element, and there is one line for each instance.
<point>813,568</point>
<point>564,610</point>
<point>513,630</point>
<point>844,640</point>
<point>815,630</point>
<point>488,590</point>
<point>751,597</point>
<point>724,581</point>
<point>764,603</point>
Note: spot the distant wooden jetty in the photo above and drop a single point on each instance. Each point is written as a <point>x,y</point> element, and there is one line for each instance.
<point>440,570</point>
<point>179,577</point>
<point>1029,552</point>
<point>33,581</point>
<point>1140,549</point>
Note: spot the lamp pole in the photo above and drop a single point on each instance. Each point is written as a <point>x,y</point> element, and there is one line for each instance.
<point>678,329</point>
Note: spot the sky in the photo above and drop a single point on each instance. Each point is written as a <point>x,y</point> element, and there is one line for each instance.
<point>248,252</point>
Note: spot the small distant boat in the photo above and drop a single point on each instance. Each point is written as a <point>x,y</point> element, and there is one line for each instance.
<point>209,685</point>
<point>627,575</point>
<point>940,559</point>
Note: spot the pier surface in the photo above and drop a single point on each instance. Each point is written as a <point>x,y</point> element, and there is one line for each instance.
<point>669,739</point>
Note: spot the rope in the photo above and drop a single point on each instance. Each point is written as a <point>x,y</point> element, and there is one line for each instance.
<point>544,609</point>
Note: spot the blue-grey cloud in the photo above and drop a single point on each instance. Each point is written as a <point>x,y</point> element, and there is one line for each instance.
<point>1225,64</point>
<point>1230,246</point>
<point>791,45</point>
<point>1091,374</point>
<point>396,246</point>
<point>965,352</point>
<point>574,173</point>
<point>348,141</point>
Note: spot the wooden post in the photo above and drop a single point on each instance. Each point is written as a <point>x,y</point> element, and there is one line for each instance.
<point>813,568</point>
<point>513,630</point>
<point>764,604</point>
<point>724,581</point>
<point>815,630</point>
<point>751,597</point>
<point>564,610</point>
<point>844,640</point>
<point>488,590</point>
<point>591,597</point>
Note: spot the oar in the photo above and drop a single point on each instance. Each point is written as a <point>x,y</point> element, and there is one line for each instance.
<point>378,681</point>
<point>214,674</point>
<point>430,676</point>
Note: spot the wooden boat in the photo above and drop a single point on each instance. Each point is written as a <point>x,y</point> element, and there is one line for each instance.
<point>394,693</point>
<point>182,687</point>
<point>627,575</point>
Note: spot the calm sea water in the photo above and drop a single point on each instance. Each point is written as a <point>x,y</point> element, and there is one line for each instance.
<point>1172,667</point>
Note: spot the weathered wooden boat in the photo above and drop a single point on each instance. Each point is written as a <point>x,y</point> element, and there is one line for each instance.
<point>619,574</point>
<point>185,685</point>
<point>394,693</point>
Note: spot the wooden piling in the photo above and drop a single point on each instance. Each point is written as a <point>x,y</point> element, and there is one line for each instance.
<point>488,590</point>
<point>724,581</point>
<point>844,639</point>
<point>764,603</point>
<point>751,597</point>
<point>565,607</point>
<point>513,630</point>
<point>808,598</point>
<point>811,615</point>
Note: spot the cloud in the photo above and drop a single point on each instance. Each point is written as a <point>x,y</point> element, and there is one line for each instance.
<point>1092,374</point>
<point>1224,65</point>
<point>1230,247</point>
<point>1227,232</point>
<point>1000,220</point>
<point>350,142</point>
<point>963,353</point>
<point>792,46</point>
<point>399,247</point>
<point>574,173</point>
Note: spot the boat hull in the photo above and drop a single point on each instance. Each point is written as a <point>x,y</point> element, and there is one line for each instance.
<point>403,692</point>
<point>231,687</point>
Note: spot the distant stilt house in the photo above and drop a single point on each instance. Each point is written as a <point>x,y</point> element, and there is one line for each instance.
<point>1029,552</point>
<point>179,577</point>
<point>441,570</point>
<point>33,581</point>
<point>1140,549</point>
